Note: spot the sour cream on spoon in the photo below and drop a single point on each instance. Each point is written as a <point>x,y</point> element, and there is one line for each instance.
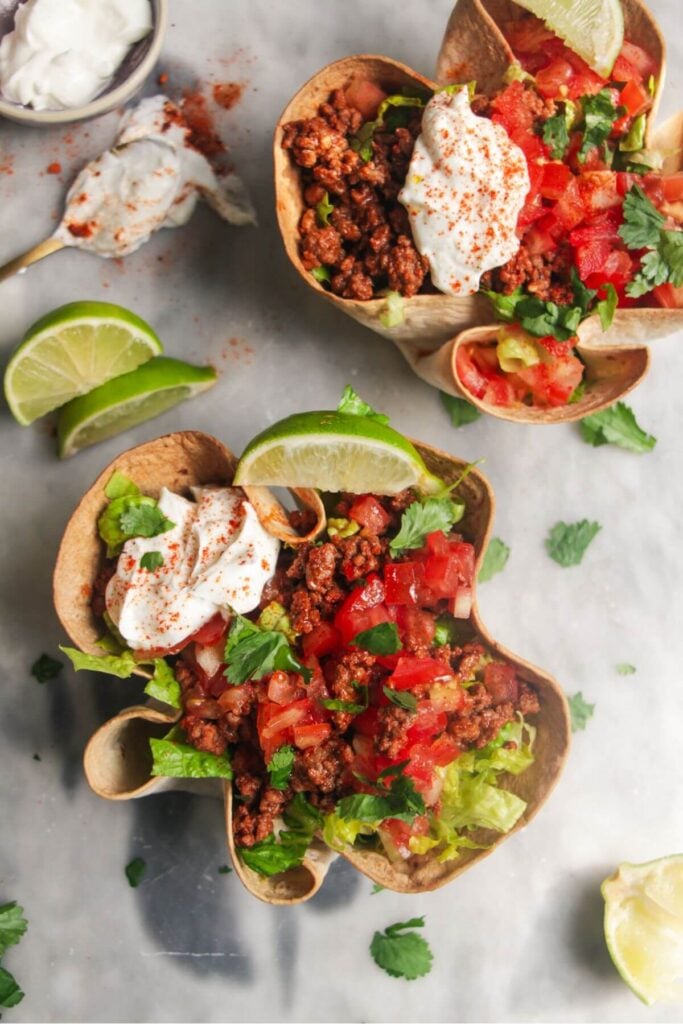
<point>216,558</point>
<point>465,187</point>
<point>63,53</point>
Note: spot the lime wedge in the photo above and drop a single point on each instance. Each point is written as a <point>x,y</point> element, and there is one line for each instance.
<point>644,927</point>
<point>334,451</point>
<point>128,400</point>
<point>592,28</point>
<point>72,350</point>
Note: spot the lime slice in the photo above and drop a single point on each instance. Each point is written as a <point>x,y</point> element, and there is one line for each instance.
<point>72,350</point>
<point>334,451</point>
<point>644,927</point>
<point>128,400</point>
<point>592,28</point>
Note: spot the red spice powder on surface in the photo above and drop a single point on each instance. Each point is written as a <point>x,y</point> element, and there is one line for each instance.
<point>54,168</point>
<point>227,94</point>
<point>163,78</point>
<point>203,134</point>
<point>79,230</point>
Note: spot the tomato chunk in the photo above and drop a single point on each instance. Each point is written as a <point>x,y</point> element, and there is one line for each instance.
<point>368,512</point>
<point>363,608</point>
<point>211,632</point>
<point>323,639</point>
<point>403,582</point>
<point>311,735</point>
<point>412,671</point>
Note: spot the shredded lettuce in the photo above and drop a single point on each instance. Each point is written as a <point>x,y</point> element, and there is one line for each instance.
<point>163,685</point>
<point>120,665</point>
<point>392,315</point>
<point>340,833</point>
<point>181,761</point>
<point>272,855</point>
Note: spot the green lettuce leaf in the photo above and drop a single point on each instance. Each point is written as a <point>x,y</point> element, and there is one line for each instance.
<point>121,665</point>
<point>181,761</point>
<point>130,515</point>
<point>163,685</point>
<point>272,855</point>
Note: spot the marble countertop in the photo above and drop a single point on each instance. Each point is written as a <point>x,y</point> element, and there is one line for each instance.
<point>520,936</point>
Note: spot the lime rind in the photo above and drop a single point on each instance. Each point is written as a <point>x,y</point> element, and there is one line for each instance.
<point>594,29</point>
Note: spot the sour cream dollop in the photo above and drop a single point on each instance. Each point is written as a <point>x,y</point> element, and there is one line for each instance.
<point>151,178</point>
<point>63,53</point>
<point>465,187</point>
<point>217,558</point>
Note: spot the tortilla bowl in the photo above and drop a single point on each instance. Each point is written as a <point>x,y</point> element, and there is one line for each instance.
<point>434,325</point>
<point>117,758</point>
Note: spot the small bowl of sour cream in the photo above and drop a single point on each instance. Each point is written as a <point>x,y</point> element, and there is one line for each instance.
<point>69,60</point>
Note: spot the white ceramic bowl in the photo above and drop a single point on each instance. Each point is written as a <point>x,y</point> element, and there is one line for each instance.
<point>137,65</point>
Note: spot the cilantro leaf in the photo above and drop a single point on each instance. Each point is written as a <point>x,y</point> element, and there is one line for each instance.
<point>459,409</point>
<point>606,307</point>
<point>163,685</point>
<point>495,559</point>
<point>10,993</point>
<point>547,318</point>
<point>377,888</point>
<point>270,856</point>
<point>424,517</point>
<point>13,924</point>
<point>343,705</point>
<point>556,135</point>
<point>402,953</point>
<point>144,521</point>
<point>381,639</point>
<point>120,665</point>
<point>583,296</point>
<point>324,209</point>
<point>642,221</point>
<point>251,653</point>
<point>624,669</point>
<point>567,542</point>
<point>152,560</point>
<point>400,801</point>
<point>352,403</point>
<point>134,871</point>
<point>616,425</point>
<point>224,870</point>
<point>45,667</point>
<point>130,515</point>
<point>280,766</point>
<point>599,113</point>
<point>181,761</point>
<point>321,274</point>
<point>401,698</point>
<point>671,249</point>
<point>579,712</point>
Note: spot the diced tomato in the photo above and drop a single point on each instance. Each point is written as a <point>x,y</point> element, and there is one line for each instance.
<point>553,79</point>
<point>626,181</point>
<point>416,626</point>
<point>599,191</point>
<point>311,735</point>
<point>499,391</point>
<point>211,632</point>
<point>569,210</point>
<point>672,187</point>
<point>412,671</point>
<point>468,373</point>
<point>368,511</point>
<point>362,609</point>
<point>633,63</point>
<point>551,384</point>
<point>285,718</point>
<point>542,236</point>
<point>635,98</point>
<point>403,582</point>
<point>594,242</point>
<point>364,96</point>
<point>667,295</point>
<point>438,543</point>
<point>445,574</point>
<point>323,639</point>
<point>501,682</point>
<point>617,270</point>
<point>284,688</point>
<point>365,724</point>
<point>585,81</point>
<point>555,179</point>
<point>555,347</point>
<point>429,723</point>
<point>512,108</point>
<point>396,834</point>
<point>444,750</point>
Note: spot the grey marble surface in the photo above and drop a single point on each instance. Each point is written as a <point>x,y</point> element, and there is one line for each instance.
<point>519,937</point>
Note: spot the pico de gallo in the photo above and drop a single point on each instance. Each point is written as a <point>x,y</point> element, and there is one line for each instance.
<point>583,246</point>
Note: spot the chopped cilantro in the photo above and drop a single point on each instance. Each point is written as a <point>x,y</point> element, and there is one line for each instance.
<point>624,669</point>
<point>280,766</point>
<point>152,560</point>
<point>642,221</point>
<point>459,409</point>
<point>343,705</point>
<point>13,924</point>
<point>401,800</point>
<point>270,856</point>
<point>163,685</point>
<point>402,698</point>
<point>606,307</point>
<point>616,425</point>
<point>401,952</point>
<point>424,517</point>
<point>381,639</point>
<point>556,135</point>
<point>599,113</point>
<point>135,870</point>
<point>130,515</point>
<point>324,209</point>
<point>495,559</point>
<point>45,668</point>
<point>172,759</point>
<point>377,888</point>
<point>579,712</point>
<point>547,318</point>
<point>144,521</point>
<point>251,653</point>
<point>567,542</point>
<point>643,229</point>
<point>351,402</point>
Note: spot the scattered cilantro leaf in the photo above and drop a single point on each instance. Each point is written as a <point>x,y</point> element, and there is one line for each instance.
<point>579,712</point>
<point>401,800</point>
<point>280,766</point>
<point>120,665</point>
<point>377,888</point>
<point>624,669</point>
<point>401,698</point>
<point>351,402</point>
<point>152,560</point>
<point>392,314</point>
<point>135,871</point>
<point>163,685</point>
<point>381,639</point>
<point>37,757</point>
<point>401,952</point>
<point>556,135</point>
<point>45,668</point>
<point>172,759</point>
<point>495,559</point>
<point>343,705</point>
<point>224,870</point>
<point>583,296</point>
<point>323,209</point>
<point>547,318</point>
<point>13,924</point>
<point>130,515</point>
<point>144,521</point>
<point>321,274</point>
<point>10,993</point>
<point>423,517</point>
<point>270,856</point>
<point>251,653</point>
<point>567,542</point>
<point>616,425</point>
<point>459,409</point>
<point>606,307</point>
<point>642,221</point>
<point>599,114</point>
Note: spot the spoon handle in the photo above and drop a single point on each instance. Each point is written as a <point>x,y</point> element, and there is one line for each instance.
<point>44,248</point>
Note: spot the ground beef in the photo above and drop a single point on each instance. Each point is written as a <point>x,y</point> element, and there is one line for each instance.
<point>360,554</point>
<point>393,725</point>
<point>203,735</point>
<point>341,674</point>
<point>323,767</point>
<point>546,275</point>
